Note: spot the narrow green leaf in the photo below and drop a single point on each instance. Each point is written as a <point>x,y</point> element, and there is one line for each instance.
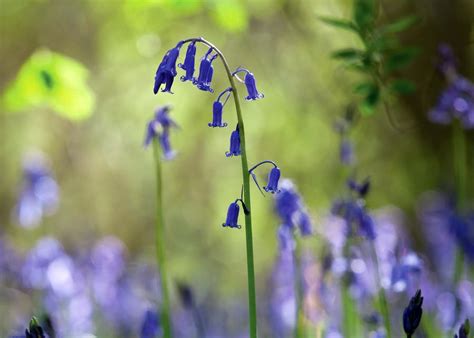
<point>339,23</point>
<point>402,86</point>
<point>364,14</point>
<point>372,97</point>
<point>401,58</point>
<point>348,54</point>
<point>400,25</point>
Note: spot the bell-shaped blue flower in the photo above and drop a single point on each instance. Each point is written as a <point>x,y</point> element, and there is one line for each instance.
<point>273,178</point>
<point>217,110</point>
<point>232,216</point>
<point>249,81</point>
<point>150,326</point>
<point>167,69</point>
<point>188,64</point>
<point>234,143</point>
<point>206,71</point>
<point>412,314</point>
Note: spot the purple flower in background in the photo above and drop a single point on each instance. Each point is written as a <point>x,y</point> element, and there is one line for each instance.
<point>159,128</point>
<point>188,65</point>
<point>217,108</point>
<point>39,195</point>
<point>150,326</point>
<point>290,208</point>
<point>362,189</point>
<point>355,216</point>
<point>206,71</point>
<point>346,152</point>
<point>234,149</point>
<point>455,102</point>
<point>412,314</point>
<point>447,63</point>
<point>250,83</point>
<point>166,71</point>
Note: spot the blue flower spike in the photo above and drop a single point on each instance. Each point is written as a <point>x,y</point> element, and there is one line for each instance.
<point>412,314</point>
<point>206,71</point>
<point>234,143</point>
<point>166,71</point>
<point>217,109</point>
<point>250,83</point>
<point>273,177</point>
<point>464,330</point>
<point>188,64</point>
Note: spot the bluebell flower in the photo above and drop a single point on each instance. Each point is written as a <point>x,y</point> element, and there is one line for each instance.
<point>455,102</point>
<point>150,326</point>
<point>249,81</point>
<point>412,314</point>
<point>206,71</point>
<point>166,71</point>
<point>290,208</point>
<point>186,295</point>
<point>407,266</point>
<point>188,65</point>
<point>159,128</point>
<point>273,178</point>
<point>362,189</point>
<point>464,330</point>
<point>356,217</point>
<point>234,149</point>
<point>217,108</point>
<point>39,195</point>
<point>446,60</point>
<point>232,216</point>
<point>346,152</point>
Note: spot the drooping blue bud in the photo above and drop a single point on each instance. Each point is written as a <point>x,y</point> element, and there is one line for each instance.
<point>217,115</point>
<point>412,314</point>
<point>232,216</point>
<point>206,71</point>
<point>188,65</point>
<point>234,143</point>
<point>167,70</point>
<point>273,178</point>
<point>252,91</point>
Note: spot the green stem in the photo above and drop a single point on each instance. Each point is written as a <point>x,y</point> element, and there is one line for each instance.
<point>160,245</point>
<point>246,184</point>
<point>382,299</point>
<point>298,285</point>
<point>460,165</point>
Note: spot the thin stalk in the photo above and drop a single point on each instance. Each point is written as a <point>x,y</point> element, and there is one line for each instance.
<point>382,299</point>
<point>160,245</point>
<point>246,186</point>
<point>460,165</point>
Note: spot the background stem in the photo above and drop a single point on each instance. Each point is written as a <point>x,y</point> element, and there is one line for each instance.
<point>160,246</point>
<point>382,299</point>
<point>298,285</point>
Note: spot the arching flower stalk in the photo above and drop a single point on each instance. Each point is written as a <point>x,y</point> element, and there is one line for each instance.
<point>165,74</point>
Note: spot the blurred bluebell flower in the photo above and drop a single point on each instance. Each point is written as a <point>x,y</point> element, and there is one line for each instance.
<point>206,71</point>
<point>356,217</point>
<point>408,266</point>
<point>185,295</point>
<point>166,71</point>
<point>159,128</point>
<point>188,64</point>
<point>412,314</point>
<point>346,152</point>
<point>249,81</point>
<point>217,108</point>
<point>39,194</point>
<point>234,149</point>
<point>290,208</point>
<point>464,330</point>
<point>361,189</point>
<point>455,102</point>
<point>447,62</point>
<point>150,326</point>
<point>232,216</point>
<point>272,183</point>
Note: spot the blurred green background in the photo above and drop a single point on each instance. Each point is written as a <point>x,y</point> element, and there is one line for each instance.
<point>105,53</point>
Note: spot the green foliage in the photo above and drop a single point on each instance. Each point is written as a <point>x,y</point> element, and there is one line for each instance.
<point>230,15</point>
<point>381,57</point>
<point>52,80</point>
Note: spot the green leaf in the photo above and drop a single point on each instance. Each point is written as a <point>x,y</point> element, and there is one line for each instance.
<point>339,23</point>
<point>364,14</point>
<point>348,54</point>
<point>371,99</point>
<point>400,25</point>
<point>401,58</point>
<point>364,88</point>
<point>402,86</point>
<point>52,80</point>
